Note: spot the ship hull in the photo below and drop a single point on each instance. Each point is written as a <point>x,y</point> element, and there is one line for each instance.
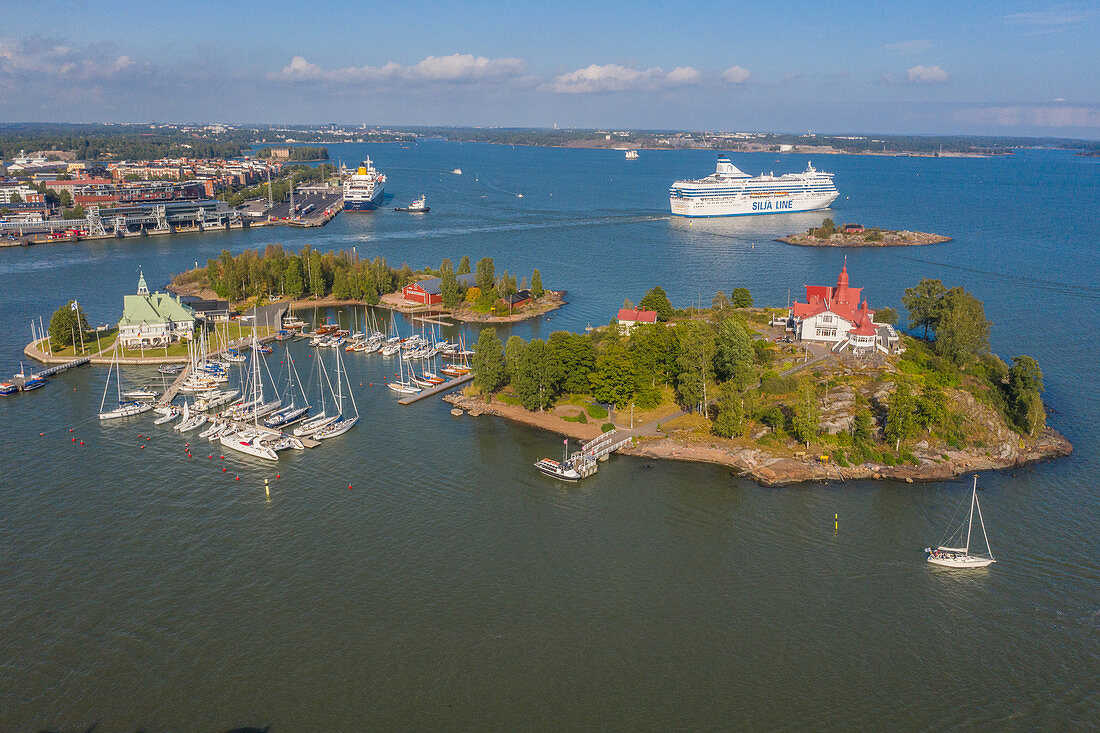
<point>713,206</point>
<point>364,204</point>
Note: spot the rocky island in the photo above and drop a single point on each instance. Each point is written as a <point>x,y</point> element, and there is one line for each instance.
<point>856,235</point>
<point>734,387</point>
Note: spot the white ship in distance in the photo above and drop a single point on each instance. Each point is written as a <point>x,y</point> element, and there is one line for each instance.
<point>363,188</point>
<point>730,192</point>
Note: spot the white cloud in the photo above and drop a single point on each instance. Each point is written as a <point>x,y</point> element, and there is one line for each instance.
<point>616,78</point>
<point>456,67</point>
<point>49,58</point>
<point>908,48</point>
<point>926,75</point>
<point>736,74</point>
<point>1048,18</point>
<point>1041,116</point>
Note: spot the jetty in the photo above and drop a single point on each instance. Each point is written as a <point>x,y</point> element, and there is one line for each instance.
<point>438,389</point>
<point>598,449</point>
<point>58,368</point>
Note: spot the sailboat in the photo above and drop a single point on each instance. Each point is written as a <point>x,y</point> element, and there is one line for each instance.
<point>344,423</point>
<point>311,425</point>
<point>950,555</point>
<point>404,385</point>
<point>124,409</point>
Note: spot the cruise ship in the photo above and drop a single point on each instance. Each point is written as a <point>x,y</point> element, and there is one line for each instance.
<point>730,192</point>
<point>363,188</point>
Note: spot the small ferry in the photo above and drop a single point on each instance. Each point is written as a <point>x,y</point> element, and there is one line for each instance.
<point>363,188</point>
<point>562,471</point>
<point>420,206</point>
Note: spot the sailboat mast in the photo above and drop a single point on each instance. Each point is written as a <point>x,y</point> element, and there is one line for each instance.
<point>986,536</point>
<point>970,522</point>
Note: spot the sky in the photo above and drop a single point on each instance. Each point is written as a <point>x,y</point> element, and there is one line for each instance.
<point>930,67</point>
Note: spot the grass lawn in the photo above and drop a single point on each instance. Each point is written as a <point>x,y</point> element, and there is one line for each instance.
<point>106,338</point>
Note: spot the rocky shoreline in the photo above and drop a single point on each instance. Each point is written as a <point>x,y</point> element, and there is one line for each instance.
<point>889,239</point>
<point>770,468</point>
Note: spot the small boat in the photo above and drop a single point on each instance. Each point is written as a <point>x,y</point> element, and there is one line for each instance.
<point>457,171</point>
<point>246,442</point>
<point>8,388</point>
<point>420,206</point>
<point>562,471</point>
<point>951,555</point>
<point>126,409</point>
<point>315,423</point>
<point>141,394</point>
<point>170,368</point>
<point>286,416</point>
<point>457,412</point>
<point>263,348</point>
<point>168,414</point>
<point>343,423</point>
<point>195,420</point>
<point>30,382</point>
<point>232,355</point>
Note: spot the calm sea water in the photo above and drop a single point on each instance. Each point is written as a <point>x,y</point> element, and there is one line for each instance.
<point>418,573</point>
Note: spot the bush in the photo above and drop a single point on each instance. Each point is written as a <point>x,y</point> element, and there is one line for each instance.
<point>597,411</point>
<point>606,427</point>
<point>579,418</point>
<point>772,383</point>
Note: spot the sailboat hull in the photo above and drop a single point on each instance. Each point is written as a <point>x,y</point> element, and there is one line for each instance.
<point>961,561</point>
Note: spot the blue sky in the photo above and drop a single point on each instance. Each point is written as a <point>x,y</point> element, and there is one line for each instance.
<point>1011,68</point>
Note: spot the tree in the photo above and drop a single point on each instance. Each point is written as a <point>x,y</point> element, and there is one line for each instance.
<point>901,415</point>
<point>341,284</point>
<point>77,212</point>
<point>15,198</point>
<point>514,349</point>
<point>316,275</point>
<point>486,277</point>
<point>806,418</point>
<point>730,420</point>
<point>962,331</point>
<point>464,265</point>
<point>863,427</point>
<point>657,300</point>
<point>931,406</point>
<point>720,304</point>
<point>473,294</point>
<point>923,303</point>
<point>1025,383</point>
<point>293,284</point>
<point>534,382</point>
<point>572,357</point>
<point>488,362</point>
<point>448,285</point>
<point>67,324</point>
<point>612,379</point>
<point>886,315</point>
<point>741,298</point>
<point>536,285</point>
<point>826,230</point>
<point>733,352</point>
<point>696,367</point>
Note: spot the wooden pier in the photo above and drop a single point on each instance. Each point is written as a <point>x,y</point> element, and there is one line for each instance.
<point>438,389</point>
<point>57,369</point>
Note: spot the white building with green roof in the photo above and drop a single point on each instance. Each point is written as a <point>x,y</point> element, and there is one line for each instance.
<point>155,319</point>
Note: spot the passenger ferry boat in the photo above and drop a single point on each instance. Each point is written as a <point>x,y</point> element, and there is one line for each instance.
<point>731,192</point>
<point>363,188</point>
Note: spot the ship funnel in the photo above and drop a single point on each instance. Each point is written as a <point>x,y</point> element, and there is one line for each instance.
<point>726,168</point>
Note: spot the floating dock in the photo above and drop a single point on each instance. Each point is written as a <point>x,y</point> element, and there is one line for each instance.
<point>438,389</point>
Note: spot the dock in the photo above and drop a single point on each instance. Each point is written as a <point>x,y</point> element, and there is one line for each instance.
<point>438,389</point>
<point>595,450</point>
<point>58,368</point>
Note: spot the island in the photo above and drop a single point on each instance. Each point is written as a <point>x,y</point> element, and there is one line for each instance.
<point>309,279</point>
<point>856,235</point>
<point>828,390</point>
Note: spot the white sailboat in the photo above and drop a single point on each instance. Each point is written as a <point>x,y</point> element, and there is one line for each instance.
<point>951,555</point>
<point>345,422</point>
<point>125,408</point>
<point>311,425</point>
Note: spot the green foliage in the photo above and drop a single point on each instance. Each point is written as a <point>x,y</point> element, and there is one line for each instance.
<point>773,417</point>
<point>763,353</point>
<point>730,422</point>
<point>578,418</point>
<point>536,285</point>
<point>488,362</point>
<point>293,284</point>
<point>902,420</point>
<point>733,352</point>
<point>486,274</point>
<point>863,427</point>
<point>607,427</point>
<point>573,357</point>
<point>962,331</point>
<point>806,417</point>
<point>657,300</point>
<point>534,380</point>
<point>1025,383</point>
<point>720,304</point>
<point>696,366</point>
<point>77,212</point>
<point>886,315</point>
<point>924,302</point>
<point>513,355</point>
<point>826,230</point>
<point>66,325</point>
<point>772,383</point>
<point>931,407</point>
<point>612,379</point>
<point>449,289</point>
<point>464,266</point>
<point>597,411</point>
<point>741,298</point>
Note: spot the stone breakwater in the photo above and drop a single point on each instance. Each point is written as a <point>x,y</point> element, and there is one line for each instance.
<point>889,239</point>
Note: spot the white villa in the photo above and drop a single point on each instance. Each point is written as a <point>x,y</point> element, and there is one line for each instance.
<point>835,315</point>
<point>153,320</point>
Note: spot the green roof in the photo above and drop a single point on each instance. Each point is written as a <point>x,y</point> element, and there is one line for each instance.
<point>155,308</point>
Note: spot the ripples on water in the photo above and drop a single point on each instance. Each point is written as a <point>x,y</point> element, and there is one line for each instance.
<point>451,586</point>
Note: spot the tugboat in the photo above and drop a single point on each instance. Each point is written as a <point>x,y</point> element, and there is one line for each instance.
<point>562,471</point>
<point>420,206</point>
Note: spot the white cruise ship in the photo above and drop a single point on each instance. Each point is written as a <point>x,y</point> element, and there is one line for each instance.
<point>363,188</point>
<point>730,192</point>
